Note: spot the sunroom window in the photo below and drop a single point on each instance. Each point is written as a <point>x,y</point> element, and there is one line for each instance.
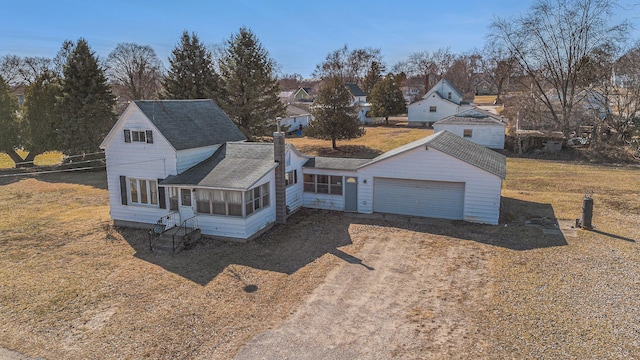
<point>232,203</point>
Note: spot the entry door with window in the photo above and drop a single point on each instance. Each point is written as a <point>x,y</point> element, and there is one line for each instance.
<point>186,208</point>
<point>351,194</point>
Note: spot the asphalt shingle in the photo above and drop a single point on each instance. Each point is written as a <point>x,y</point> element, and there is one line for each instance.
<point>188,124</point>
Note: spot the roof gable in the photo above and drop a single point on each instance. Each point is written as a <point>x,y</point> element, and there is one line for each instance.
<point>354,89</point>
<point>188,124</point>
<point>453,145</point>
<point>443,86</point>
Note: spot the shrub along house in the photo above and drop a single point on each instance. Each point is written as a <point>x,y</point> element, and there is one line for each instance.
<point>183,162</point>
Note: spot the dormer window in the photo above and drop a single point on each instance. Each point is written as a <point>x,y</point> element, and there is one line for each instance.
<point>145,136</point>
<point>449,96</point>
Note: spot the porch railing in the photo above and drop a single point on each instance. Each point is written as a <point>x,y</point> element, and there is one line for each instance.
<point>164,223</point>
<point>187,226</point>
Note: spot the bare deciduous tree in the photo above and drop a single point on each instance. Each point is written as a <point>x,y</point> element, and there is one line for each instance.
<point>551,44</point>
<point>348,65</point>
<point>134,71</point>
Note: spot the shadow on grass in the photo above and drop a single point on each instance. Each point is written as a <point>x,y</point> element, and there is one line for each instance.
<point>511,234</point>
<point>311,234</point>
<point>613,236</point>
<point>284,249</point>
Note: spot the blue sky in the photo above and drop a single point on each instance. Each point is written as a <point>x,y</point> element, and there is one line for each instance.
<point>297,34</point>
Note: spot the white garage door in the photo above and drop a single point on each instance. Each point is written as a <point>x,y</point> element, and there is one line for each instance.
<point>436,199</point>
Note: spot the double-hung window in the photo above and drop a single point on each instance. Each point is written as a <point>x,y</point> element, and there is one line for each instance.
<point>143,191</point>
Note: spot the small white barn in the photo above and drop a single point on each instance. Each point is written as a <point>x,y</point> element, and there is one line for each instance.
<point>442,100</point>
<point>479,126</point>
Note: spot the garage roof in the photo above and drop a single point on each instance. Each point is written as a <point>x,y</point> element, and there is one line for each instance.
<point>453,145</point>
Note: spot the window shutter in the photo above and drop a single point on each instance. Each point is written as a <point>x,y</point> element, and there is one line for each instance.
<point>162,201</point>
<point>149,137</point>
<point>127,136</point>
<point>123,188</point>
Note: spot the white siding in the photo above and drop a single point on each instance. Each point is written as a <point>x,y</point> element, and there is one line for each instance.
<point>294,192</point>
<point>325,201</point>
<point>419,112</point>
<point>482,189</point>
<point>292,123</point>
<point>238,227</point>
<point>137,160</point>
<point>491,136</point>
<point>190,157</point>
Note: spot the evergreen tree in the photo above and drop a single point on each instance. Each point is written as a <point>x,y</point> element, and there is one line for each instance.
<point>191,74</point>
<point>250,86</point>
<point>373,76</point>
<point>387,99</point>
<point>86,104</point>
<point>40,115</point>
<point>9,126</point>
<point>334,116</point>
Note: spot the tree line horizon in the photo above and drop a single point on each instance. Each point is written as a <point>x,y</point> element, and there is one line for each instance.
<point>558,51</point>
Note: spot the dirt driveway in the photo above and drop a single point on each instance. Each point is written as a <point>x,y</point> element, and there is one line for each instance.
<point>405,293</point>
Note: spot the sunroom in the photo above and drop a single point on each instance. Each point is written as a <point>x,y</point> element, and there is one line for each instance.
<point>231,193</point>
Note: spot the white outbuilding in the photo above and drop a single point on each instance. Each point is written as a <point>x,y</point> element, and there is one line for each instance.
<point>476,125</point>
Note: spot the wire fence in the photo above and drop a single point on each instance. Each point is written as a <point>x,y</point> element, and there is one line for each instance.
<point>71,163</point>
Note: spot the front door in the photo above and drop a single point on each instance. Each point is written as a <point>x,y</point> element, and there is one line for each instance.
<point>186,201</point>
<point>351,194</point>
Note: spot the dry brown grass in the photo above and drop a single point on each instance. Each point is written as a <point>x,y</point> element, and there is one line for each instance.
<point>376,140</point>
<point>44,159</point>
<point>74,287</point>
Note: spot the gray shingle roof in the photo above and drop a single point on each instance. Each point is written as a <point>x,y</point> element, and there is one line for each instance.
<point>188,124</point>
<point>320,162</point>
<point>453,145</point>
<point>232,166</point>
<point>355,89</point>
<point>473,117</point>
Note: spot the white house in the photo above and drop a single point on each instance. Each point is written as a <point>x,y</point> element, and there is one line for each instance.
<point>296,119</point>
<point>359,100</point>
<point>479,126</point>
<point>442,100</point>
<point>173,161</point>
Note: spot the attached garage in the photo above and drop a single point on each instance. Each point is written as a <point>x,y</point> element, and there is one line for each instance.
<point>441,176</point>
<point>438,199</point>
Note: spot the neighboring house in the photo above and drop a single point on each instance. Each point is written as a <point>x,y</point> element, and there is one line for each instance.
<point>172,161</point>
<point>296,120</point>
<point>18,91</point>
<point>479,126</point>
<point>483,85</point>
<point>303,94</point>
<point>359,99</point>
<point>440,101</point>
<point>358,96</point>
<point>286,96</point>
<point>413,88</point>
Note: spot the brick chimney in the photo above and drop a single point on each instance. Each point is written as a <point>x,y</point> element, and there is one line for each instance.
<point>281,191</point>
